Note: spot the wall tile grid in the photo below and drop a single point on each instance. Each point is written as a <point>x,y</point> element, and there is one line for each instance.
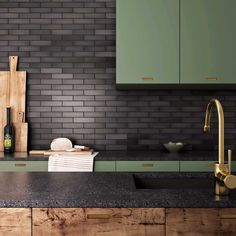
<point>68,49</point>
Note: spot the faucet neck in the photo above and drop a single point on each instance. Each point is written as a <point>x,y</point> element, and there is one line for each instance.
<point>220,125</point>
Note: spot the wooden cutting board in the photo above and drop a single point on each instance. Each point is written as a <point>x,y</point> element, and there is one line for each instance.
<point>50,152</point>
<point>4,102</point>
<point>17,89</point>
<point>21,134</point>
<point>13,94</point>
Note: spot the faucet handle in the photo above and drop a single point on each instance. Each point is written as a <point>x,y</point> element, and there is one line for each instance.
<point>229,160</point>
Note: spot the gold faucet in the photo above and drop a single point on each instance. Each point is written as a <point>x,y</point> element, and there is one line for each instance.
<point>224,179</point>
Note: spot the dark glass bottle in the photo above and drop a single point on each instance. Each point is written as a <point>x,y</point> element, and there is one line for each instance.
<point>8,134</point>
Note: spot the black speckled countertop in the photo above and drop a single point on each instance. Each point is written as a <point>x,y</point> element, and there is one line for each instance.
<point>126,156</point>
<point>156,156</point>
<point>101,190</point>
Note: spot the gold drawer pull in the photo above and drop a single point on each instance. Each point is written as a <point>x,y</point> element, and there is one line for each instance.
<point>148,78</point>
<point>148,164</point>
<point>212,78</point>
<point>20,164</point>
<point>98,216</point>
<point>228,216</point>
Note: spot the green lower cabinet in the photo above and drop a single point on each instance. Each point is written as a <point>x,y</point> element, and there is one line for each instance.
<point>109,166</point>
<point>200,166</point>
<point>23,166</point>
<point>146,166</point>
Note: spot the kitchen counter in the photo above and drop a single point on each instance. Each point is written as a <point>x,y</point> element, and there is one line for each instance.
<point>101,190</point>
<point>126,156</point>
<point>156,156</point>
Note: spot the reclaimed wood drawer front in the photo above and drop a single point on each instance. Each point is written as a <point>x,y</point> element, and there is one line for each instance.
<point>15,221</point>
<point>98,221</point>
<point>105,166</point>
<point>21,166</point>
<point>145,166</point>
<point>200,221</point>
<point>198,166</point>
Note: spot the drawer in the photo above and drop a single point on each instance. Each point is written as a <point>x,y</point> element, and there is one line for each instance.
<point>198,166</point>
<point>146,166</point>
<point>18,166</point>
<point>105,166</point>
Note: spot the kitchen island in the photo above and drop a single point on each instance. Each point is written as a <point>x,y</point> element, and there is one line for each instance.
<point>49,189</point>
<point>110,204</point>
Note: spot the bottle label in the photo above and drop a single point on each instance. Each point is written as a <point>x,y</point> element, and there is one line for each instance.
<point>7,140</point>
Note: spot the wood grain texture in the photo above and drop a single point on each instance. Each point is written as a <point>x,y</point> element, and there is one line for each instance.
<point>4,102</point>
<point>50,152</point>
<point>98,221</point>
<point>13,94</point>
<point>17,89</point>
<point>200,221</point>
<point>15,221</point>
<point>21,133</point>
<point>21,137</point>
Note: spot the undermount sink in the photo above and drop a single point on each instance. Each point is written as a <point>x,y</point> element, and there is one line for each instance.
<point>173,183</point>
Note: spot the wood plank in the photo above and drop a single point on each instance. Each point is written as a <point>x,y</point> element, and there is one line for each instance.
<point>4,102</point>
<point>17,89</point>
<point>98,221</point>
<point>21,137</point>
<point>50,152</point>
<point>15,221</point>
<point>13,93</point>
<point>21,133</point>
<point>200,221</point>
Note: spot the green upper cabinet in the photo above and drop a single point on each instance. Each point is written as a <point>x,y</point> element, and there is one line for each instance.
<point>208,41</point>
<point>147,46</point>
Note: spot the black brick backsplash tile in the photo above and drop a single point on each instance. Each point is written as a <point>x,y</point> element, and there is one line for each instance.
<point>68,50</point>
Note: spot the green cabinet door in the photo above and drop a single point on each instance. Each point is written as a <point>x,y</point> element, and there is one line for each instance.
<point>147,42</point>
<point>207,41</point>
<point>23,166</point>
<point>201,166</point>
<point>106,166</point>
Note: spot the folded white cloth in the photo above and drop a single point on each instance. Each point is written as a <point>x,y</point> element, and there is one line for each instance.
<point>71,163</point>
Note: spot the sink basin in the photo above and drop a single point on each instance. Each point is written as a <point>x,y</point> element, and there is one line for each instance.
<point>173,183</point>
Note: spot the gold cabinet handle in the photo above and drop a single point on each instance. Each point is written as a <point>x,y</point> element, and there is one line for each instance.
<point>148,164</point>
<point>147,78</point>
<point>20,164</point>
<point>212,78</point>
<point>98,216</point>
<point>228,216</point>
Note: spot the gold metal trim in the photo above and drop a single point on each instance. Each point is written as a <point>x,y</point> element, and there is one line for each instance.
<point>98,216</point>
<point>147,78</point>
<point>148,165</point>
<point>220,113</point>
<point>20,164</point>
<point>212,78</point>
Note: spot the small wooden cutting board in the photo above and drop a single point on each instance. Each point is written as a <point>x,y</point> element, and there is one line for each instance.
<point>50,152</point>
<point>21,133</point>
